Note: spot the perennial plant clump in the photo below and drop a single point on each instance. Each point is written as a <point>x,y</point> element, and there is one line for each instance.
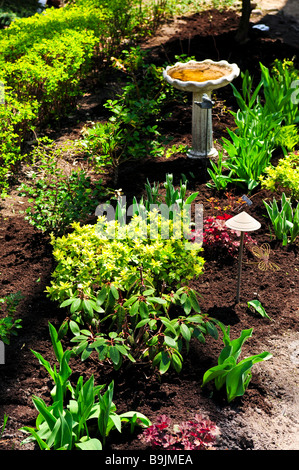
<point>285,175</point>
<point>195,434</point>
<point>216,235</point>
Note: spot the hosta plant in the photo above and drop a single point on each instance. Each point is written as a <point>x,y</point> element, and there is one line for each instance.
<point>230,374</point>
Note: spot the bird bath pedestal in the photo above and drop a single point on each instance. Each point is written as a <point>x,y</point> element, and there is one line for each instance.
<point>201,78</point>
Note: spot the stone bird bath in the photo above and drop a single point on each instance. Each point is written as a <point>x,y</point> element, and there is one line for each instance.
<point>201,78</point>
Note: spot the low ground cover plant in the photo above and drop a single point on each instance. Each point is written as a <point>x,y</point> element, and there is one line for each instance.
<point>196,433</point>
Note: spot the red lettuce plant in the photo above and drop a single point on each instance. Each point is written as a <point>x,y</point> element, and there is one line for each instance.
<point>217,235</point>
<point>194,434</point>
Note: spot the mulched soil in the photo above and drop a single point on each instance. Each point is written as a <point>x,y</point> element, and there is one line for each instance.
<point>27,264</point>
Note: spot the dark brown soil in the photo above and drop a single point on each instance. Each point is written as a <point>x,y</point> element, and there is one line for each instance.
<point>266,417</point>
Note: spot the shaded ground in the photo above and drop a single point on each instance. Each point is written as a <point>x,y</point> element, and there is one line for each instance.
<point>267,416</point>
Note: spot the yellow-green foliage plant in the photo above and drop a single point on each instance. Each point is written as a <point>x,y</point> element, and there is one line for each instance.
<point>126,289</point>
<point>283,176</point>
<point>92,256</point>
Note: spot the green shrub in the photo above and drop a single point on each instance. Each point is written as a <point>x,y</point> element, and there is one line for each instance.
<point>16,122</point>
<point>285,175</point>
<point>108,252</point>
<point>8,324</point>
<point>132,131</point>
<point>120,286</point>
<point>58,198</point>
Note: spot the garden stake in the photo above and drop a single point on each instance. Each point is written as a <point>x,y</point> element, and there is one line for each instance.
<point>242,222</point>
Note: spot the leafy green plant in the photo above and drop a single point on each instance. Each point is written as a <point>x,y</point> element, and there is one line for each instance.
<point>219,179</point>
<point>235,376</point>
<point>132,130</point>
<point>93,256</point>
<point>285,221</point>
<point>258,307</point>
<point>134,275</point>
<point>8,324</point>
<point>5,419</point>
<point>284,175</point>
<point>66,424</point>
<point>250,147</point>
<point>277,90</point>
<point>16,123</point>
<point>144,329</point>
<point>58,199</point>
<point>260,128</point>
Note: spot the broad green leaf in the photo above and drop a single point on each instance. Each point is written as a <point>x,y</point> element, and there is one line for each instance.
<point>74,327</point>
<point>164,362</point>
<point>42,445</point>
<point>44,411</point>
<point>90,444</point>
<point>220,370</point>
<point>76,306</point>
<point>167,324</point>
<point>101,296</point>
<point>185,332</point>
<point>177,363</point>
<point>57,346</point>
<point>114,291</point>
<point>256,304</point>
<point>170,342</point>
<point>114,355</point>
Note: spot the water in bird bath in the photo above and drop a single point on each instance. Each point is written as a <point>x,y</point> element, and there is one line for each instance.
<point>198,74</point>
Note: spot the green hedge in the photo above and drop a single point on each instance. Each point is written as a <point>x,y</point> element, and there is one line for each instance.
<point>43,60</point>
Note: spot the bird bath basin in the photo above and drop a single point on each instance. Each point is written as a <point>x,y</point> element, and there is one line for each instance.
<point>201,78</point>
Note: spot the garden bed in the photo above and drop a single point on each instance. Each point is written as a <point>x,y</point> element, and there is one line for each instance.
<point>267,416</point>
